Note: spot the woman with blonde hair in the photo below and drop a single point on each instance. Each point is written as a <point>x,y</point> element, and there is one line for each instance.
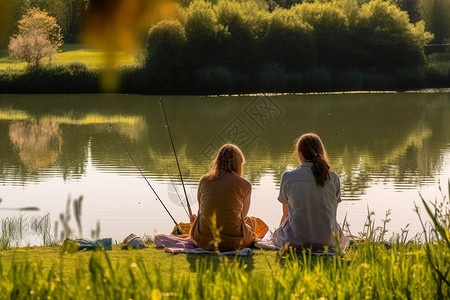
<point>224,200</point>
<point>309,195</point>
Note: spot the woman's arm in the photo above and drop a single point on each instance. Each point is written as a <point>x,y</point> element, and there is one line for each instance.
<point>285,213</point>
<point>194,217</point>
<point>283,198</point>
<point>246,203</point>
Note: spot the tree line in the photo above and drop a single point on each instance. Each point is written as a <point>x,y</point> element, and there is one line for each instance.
<point>70,14</point>
<point>231,41</point>
<point>223,46</point>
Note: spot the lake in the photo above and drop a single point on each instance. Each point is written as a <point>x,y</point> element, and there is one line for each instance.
<point>386,148</point>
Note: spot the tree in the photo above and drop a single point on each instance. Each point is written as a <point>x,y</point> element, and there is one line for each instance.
<point>39,37</point>
<point>70,14</point>
<point>383,37</point>
<point>166,50</point>
<point>436,14</point>
<point>411,7</point>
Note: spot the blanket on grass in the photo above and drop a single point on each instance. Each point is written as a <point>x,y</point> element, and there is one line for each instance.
<point>269,244</point>
<point>173,244</point>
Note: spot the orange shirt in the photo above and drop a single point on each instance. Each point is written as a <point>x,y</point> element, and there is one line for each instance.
<point>228,199</point>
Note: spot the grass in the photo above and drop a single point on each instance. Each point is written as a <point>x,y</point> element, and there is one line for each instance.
<point>73,53</point>
<point>368,270</point>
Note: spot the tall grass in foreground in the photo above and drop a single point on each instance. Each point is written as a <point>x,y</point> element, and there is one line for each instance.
<point>404,270</point>
<point>371,271</point>
<point>438,240</point>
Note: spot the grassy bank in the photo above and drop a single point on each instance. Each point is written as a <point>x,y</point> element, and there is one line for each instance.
<point>371,269</point>
<point>368,271</point>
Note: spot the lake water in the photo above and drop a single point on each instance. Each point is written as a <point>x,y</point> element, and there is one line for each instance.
<point>386,147</point>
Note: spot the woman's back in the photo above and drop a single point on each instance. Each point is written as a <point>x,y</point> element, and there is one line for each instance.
<point>223,198</point>
<point>312,208</point>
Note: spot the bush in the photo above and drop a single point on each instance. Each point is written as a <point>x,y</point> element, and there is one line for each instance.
<point>75,78</point>
<point>166,58</point>
<point>134,80</point>
<point>241,20</point>
<point>289,42</point>
<point>350,79</point>
<point>331,34</point>
<point>384,38</point>
<point>215,80</point>
<point>318,46</point>
<point>436,14</point>
<point>205,36</point>
<point>409,78</point>
<point>319,80</point>
<point>274,78</point>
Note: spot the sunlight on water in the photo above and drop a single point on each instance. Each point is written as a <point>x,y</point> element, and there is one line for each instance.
<point>385,148</point>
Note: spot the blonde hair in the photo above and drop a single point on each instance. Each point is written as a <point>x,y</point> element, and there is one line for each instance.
<point>230,159</point>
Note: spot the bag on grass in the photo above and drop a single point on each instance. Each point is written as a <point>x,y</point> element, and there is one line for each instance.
<point>185,229</point>
<point>134,242</point>
<point>72,245</point>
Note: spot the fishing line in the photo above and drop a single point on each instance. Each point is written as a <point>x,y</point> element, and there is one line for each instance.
<point>175,153</point>
<point>148,183</point>
<point>171,180</point>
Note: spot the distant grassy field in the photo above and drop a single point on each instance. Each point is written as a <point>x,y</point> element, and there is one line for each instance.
<point>74,53</point>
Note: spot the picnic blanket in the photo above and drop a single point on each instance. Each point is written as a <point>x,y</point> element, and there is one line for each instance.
<point>270,244</point>
<point>174,244</point>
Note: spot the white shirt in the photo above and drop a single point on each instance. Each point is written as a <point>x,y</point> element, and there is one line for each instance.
<point>312,209</point>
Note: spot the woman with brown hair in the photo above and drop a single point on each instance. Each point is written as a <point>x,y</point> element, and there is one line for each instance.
<point>224,200</point>
<point>309,195</point>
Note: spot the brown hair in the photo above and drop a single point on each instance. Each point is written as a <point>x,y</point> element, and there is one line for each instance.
<point>230,159</point>
<point>312,149</point>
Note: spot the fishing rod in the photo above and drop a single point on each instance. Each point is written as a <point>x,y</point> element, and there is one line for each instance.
<point>176,157</point>
<point>148,183</point>
<point>29,208</point>
<point>173,184</point>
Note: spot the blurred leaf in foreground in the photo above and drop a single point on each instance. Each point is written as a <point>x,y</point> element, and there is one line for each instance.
<point>119,25</point>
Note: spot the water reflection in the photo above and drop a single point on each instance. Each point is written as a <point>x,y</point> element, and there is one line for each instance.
<point>394,137</point>
<point>38,143</point>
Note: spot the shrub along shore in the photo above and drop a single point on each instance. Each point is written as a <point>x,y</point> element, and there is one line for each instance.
<point>229,47</point>
<point>78,79</point>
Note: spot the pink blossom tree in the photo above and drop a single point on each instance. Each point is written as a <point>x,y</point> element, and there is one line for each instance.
<point>38,38</point>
